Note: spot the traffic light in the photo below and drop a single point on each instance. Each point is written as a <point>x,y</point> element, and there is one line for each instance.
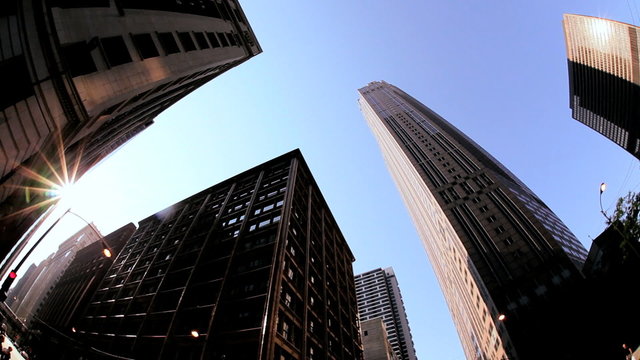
<point>7,284</point>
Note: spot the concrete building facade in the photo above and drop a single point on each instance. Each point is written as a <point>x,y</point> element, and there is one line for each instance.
<point>379,297</point>
<point>497,250</point>
<point>87,76</point>
<point>375,342</point>
<point>252,268</point>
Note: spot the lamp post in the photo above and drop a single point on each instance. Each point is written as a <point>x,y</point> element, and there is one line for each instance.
<point>603,187</point>
<point>13,274</point>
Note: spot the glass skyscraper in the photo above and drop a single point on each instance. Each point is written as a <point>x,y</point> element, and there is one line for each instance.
<point>604,77</point>
<point>499,253</point>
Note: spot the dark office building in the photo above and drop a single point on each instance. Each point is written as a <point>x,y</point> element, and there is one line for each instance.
<point>67,299</point>
<point>496,248</point>
<point>252,268</point>
<point>81,78</point>
<point>604,77</point>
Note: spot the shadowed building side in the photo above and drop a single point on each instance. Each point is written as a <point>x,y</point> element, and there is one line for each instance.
<point>88,76</point>
<point>66,301</point>
<point>252,268</point>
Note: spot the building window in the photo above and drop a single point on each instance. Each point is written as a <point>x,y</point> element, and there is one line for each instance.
<point>187,41</point>
<point>499,230</point>
<point>168,43</point>
<point>223,39</point>
<point>115,50</point>
<point>491,219</point>
<point>484,209</point>
<point>145,45</point>
<point>231,39</point>
<point>78,58</point>
<point>285,330</point>
<point>213,40</point>
<point>201,40</point>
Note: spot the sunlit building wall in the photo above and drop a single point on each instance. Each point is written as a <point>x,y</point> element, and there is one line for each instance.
<point>252,268</point>
<point>87,76</point>
<point>604,77</point>
<point>495,247</point>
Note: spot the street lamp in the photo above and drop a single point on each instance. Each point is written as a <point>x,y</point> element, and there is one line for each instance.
<point>106,250</point>
<point>603,187</point>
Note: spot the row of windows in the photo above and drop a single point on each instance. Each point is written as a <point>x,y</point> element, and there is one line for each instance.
<point>116,52</point>
<point>201,8</point>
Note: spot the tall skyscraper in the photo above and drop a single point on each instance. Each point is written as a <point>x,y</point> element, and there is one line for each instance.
<point>496,248</point>
<point>379,297</point>
<point>604,77</point>
<point>81,78</point>
<point>252,268</point>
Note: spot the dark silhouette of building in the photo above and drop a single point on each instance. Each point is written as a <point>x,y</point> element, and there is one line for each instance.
<point>604,77</point>
<point>379,297</point>
<point>500,254</point>
<point>87,76</point>
<point>609,300</point>
<point>252,268</point>
<point>65,302</point>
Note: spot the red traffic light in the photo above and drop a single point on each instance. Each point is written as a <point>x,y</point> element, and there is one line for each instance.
<point>13,275</point>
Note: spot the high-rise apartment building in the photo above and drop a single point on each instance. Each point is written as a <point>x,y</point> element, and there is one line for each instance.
<point>83,77</point>
<point>252,268</point>
<point>496,248</point>
<point>379,296</point>
<point>66,300</point>
<point>604,77</point>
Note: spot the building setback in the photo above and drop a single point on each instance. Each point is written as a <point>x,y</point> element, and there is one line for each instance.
<point>495,247</point>
<point>252,268</point>
<point>379,296</point>
<point>87,76</point>
<point>604,77</point>
<point>67,299</point>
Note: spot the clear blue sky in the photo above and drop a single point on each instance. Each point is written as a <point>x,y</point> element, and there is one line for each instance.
<point>495,69</point>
